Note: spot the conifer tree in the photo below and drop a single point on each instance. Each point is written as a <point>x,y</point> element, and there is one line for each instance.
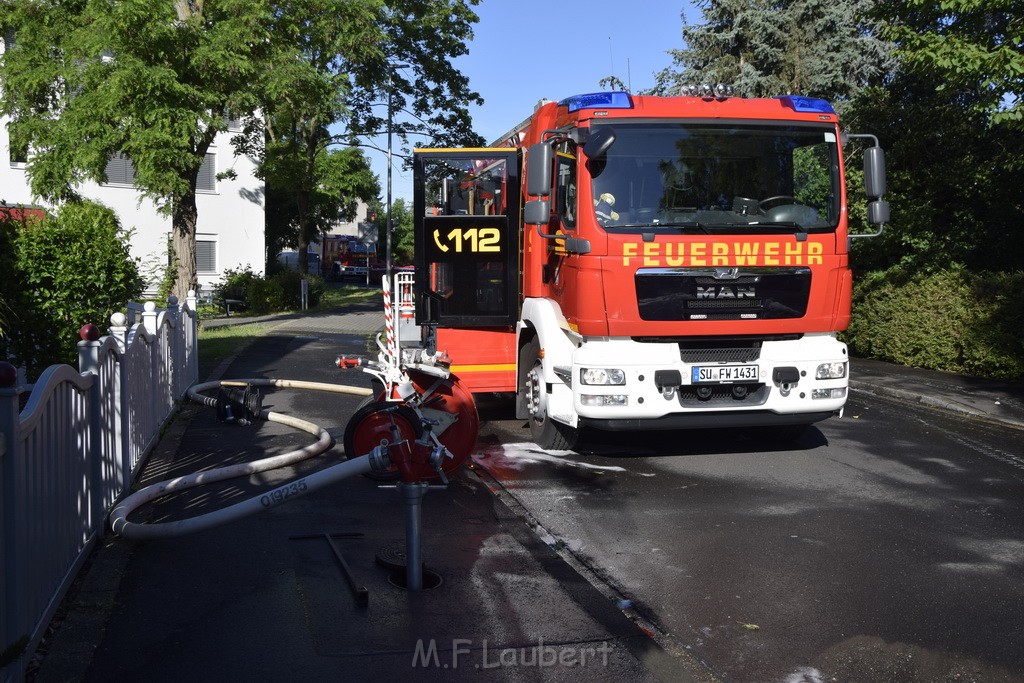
<point>773,47</point>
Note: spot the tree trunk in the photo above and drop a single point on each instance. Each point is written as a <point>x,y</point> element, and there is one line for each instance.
<point>184,218</point>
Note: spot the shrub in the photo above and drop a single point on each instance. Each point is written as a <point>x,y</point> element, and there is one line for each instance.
<point>8,289</point>
<point>72,269</point>
<point>950,320</point>
<point>290,282</point>
<point>264,296</point>
<point>281,292</point>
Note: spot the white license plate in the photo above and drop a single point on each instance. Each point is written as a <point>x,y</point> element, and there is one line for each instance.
<point>724,373</point>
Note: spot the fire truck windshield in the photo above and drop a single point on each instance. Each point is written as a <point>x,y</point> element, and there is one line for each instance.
<point>711,177</point>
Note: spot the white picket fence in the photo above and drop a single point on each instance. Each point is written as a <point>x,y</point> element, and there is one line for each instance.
<point>73,451</point>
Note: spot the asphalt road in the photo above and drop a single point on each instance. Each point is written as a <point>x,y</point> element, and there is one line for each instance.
<point>886,546</point>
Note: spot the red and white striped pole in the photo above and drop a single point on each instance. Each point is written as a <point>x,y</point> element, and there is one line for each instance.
<point>389,325</point>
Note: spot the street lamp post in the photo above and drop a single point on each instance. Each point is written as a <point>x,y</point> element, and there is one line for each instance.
<point>390,225</point>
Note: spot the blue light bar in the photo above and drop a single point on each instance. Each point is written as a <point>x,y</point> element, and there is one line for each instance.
<point>594,100</point>
<point>806,104</point>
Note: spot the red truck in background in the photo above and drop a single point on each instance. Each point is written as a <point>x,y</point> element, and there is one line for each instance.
<point>623,261</point>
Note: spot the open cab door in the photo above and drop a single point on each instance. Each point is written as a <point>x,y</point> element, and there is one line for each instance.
<point>466,224</point>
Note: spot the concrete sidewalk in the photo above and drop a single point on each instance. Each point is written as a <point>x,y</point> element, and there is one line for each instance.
<point>267,597</point>
<point>990,400</point>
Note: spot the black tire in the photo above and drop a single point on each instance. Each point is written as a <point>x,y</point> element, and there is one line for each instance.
<point>369,409</point>
<point>546,433</point>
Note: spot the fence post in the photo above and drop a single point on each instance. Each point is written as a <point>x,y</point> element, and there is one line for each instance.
<point>89,362</point>
<point>174,313</point>
<point>122,430</point>
<point>12,618</point>
<point>149,317</point>
<point>192,338</point>
<point>154,402</point>
<point>88,349</point>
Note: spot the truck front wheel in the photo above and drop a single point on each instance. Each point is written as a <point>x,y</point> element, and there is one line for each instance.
<point>546,433</point>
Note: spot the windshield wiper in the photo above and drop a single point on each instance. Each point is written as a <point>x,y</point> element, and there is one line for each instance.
<point>778,224</point>
<point>771,223</point>
<point>675,225</point>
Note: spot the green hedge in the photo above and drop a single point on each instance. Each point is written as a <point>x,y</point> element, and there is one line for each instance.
<point>953,320</point>
<point>280,292</point>
<point>58,274</point>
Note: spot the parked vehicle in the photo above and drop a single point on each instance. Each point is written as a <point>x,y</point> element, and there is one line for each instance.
<point>290,259</point>
<point>669,262</point>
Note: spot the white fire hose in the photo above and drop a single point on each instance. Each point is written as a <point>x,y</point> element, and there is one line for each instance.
<point>376,459</point>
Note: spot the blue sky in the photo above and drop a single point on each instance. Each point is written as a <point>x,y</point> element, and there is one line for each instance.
<point>576,44</point>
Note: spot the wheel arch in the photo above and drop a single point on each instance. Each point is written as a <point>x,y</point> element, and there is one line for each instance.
<point>542,320</point>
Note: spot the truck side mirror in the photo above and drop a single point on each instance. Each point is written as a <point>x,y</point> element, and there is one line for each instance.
<point>874,171</point>
<point>600,142</point>
<point>878,212</point>
<point>575,245</point>
<point>540,160</point>
<point>537,212</point>
<point>874,183</point>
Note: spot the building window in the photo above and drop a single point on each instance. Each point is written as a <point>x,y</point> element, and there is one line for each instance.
<point>207,179</point>
<point>19,156</point>
<point>120,170</point>
<point>206,256</point>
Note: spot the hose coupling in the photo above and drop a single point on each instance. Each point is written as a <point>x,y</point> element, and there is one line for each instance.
<point>350,362</point>
<point>378,457</point>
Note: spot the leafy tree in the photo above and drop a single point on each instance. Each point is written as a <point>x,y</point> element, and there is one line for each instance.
<point>429,94</point>
<point>294,217</point>
<point>312,42</point>
<point>335,70</point>
<point>773,47</point>
<point>612,83</point>
<point>974,48</point>
<point>953,182</point>
<point>951,133</point>
<point>153,80</point>
<point>402,239</point>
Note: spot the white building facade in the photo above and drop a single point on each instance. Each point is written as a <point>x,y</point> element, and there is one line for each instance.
<point>230,231</point>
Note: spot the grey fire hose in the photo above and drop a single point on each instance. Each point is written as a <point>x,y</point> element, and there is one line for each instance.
<point>375,460</point>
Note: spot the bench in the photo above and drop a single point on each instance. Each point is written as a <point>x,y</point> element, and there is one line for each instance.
<point>232,296</point>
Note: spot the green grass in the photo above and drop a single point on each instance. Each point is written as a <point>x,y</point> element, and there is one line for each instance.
<point>218,343</point>
<point>337,296</point>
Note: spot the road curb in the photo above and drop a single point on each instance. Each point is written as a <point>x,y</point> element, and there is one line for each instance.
<point>941,403</point>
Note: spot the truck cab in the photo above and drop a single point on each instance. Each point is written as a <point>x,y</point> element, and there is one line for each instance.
<point>635,262</point>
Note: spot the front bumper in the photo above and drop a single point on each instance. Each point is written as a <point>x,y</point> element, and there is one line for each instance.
<point>783,390</point>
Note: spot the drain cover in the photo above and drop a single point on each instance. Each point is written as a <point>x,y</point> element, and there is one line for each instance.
<point>392,555</point>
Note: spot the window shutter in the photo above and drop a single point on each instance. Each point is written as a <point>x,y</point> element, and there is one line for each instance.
<point>120,170</point>
<point>207,178</point>
<point>206,256</point>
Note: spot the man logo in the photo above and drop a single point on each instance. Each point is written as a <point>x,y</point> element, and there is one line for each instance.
<point>725,292</point>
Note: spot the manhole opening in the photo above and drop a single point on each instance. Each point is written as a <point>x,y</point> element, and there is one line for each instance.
<point>431,579</point>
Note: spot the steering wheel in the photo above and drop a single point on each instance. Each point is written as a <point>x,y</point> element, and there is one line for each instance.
<point>779,198</point>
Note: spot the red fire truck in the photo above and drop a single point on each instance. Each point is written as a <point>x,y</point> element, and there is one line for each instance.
<point>623,261</point>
